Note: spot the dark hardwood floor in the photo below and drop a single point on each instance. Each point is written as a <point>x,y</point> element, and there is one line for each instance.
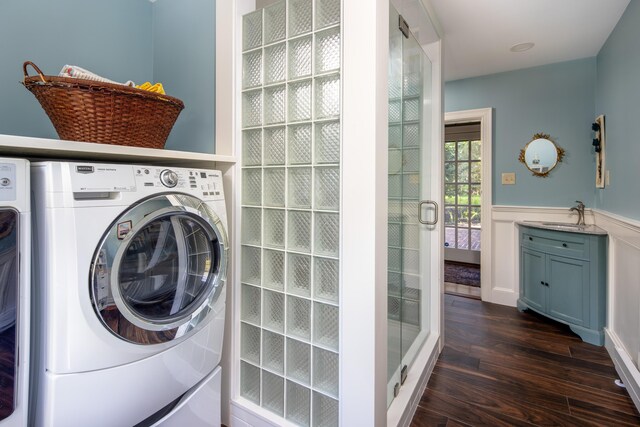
<point>501,367</point>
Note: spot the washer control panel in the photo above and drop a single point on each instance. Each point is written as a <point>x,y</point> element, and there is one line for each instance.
<point>169,178</point>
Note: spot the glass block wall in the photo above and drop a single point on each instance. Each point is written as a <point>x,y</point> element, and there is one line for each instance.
<point>290,221</point>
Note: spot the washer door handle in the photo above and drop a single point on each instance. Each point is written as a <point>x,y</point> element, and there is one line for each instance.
<point>435,217</point>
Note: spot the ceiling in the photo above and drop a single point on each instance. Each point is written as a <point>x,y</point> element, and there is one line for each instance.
<point>477,34</point>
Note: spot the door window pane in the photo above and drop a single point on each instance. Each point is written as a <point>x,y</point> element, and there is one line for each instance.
<point>463,194</point>
<point>475,194</point>
<point>450,237</point>
<point>475,239</point>
<point>463,150</point>
<point>449,215</point>
<point>463,172</point>
<point>463,216</point>
<point>476,150</point>
<point>474,216</point>
<point>476,171</point>
<point>449,172</point>
<point>463,238</point>
<point>449,151</point>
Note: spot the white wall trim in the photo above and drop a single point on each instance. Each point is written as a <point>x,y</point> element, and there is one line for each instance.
<point>625,367</point>
<point>485,117</point>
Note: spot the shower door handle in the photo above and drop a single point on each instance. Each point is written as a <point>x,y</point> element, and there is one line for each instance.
<point>435,217</point>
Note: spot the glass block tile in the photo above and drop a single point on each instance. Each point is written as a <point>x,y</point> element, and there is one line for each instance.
<point>252,147</point>
<point>325,411</point>
<point>327,146</point>
<point>412,80</point>
<point>394,281</point>
<point>275,63</point>
<point>252,108</point>
<point>250,382</point>
<point>252,187</point>
<point>411,135</point>
<point>299,361</point>
<point>325,325</point>
<point>275,22</point>
<point>326,279</point>
<point>327,188</point>
<point>395,113</point>
<point>325,371</point>
<point>251,263</point>
<point>250,304</point>
<point>274,221</point>
<point>300,101</point>
<point>410,313</point>
<point>327,97</point>
<point>327,13</point>
<point>251,226</point>
<point>411,109</point>
<point>411,160</point>
<point>299,188</point>
<point>327,50</point>
<point>395,162</point>
<point>300,16</point>
<point>273,270</point>
<point>300,57</point>
<point>252,69</point>
<point>393,308</point>
<point>394,259</point>
<point>250,343</point>
<point>395,136</point>
<point>411,186</point>
<point>299,231</point>
<point>298,318</point>
<point>327,234</point>
<point>274,102</point>
<point>299,274</point>
<point>274,187</point>
<point>273,393</point>
<point>273,310</point>
<point>252,30</point>
<point>394,235</point>
<point>273,352</point>
<point>298,404</point>
<point>299,144</point>
<point>274,145</point>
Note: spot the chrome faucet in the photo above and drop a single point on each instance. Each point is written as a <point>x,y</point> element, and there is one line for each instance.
<point>580,209</point>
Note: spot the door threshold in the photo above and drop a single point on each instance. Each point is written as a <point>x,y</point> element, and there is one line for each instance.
<point>462,290</point>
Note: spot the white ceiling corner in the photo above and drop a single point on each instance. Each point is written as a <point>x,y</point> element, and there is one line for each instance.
<point>477,35</point>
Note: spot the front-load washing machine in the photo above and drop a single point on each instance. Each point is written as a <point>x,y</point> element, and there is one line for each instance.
<point>130,294</point>
<point>15,282</point>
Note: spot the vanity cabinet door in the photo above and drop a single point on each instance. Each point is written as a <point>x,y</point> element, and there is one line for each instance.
<point>533,279</point>
<point>568,289</point>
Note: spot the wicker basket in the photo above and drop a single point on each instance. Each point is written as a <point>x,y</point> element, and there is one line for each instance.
<point>85,110</point>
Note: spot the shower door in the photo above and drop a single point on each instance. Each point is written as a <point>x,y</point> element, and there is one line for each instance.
<point>412,214</point>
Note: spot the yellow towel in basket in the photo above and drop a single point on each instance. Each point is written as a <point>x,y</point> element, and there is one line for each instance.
<point>157,88</point>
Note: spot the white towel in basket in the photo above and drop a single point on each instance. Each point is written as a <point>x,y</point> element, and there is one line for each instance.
<point>76,72</point>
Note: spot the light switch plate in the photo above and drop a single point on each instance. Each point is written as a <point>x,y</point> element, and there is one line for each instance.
<point>508,178</point>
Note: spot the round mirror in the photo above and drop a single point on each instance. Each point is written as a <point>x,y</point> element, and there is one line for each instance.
<point>541,155</point>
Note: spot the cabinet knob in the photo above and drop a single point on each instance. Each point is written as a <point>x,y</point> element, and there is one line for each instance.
<point>530,238</point>
<point>542,282</point>
<point>546,284</point>
<point>564,245</point>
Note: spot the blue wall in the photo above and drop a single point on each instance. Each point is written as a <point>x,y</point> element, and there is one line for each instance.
<point>618,98</point>
<point>170,41</point>
<point>183,60</point>
<point>556,99</point>
<point>111,38</point>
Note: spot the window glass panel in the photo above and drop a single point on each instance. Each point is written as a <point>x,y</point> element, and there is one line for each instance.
<point>474,216</point>
<point>463,172</point>
<point>449,172</point>
<point>475,239</point>
<point>476,150</point>
<point>463,150</point>
<point>463,238</point>
<point>450,194</point>
<point>450,237</point>
<point>449,151</point>
<point>463,194</point>
<point>475,195</point>
<point>449,215</point>
<point>463,216</point>
<point>476,171</point>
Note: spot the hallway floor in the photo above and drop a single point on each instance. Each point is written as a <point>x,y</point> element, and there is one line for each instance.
<point>501,367</point>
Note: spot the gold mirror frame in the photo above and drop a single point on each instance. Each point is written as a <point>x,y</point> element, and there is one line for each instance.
<point>559,150</point>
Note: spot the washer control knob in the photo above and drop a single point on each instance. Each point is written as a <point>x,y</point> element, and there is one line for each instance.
<point>5,181</point>
<point>169,178</point>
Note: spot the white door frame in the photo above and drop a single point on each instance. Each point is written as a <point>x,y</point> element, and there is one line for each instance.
<point>485,117</point>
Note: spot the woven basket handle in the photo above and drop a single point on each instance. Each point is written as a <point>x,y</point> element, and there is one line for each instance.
<point>35,67</point>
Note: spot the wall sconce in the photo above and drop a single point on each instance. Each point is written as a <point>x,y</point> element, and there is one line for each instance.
<point>598,144</point>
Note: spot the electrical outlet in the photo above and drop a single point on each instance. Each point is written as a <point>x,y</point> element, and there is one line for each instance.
<point>607,178</point>
<point>508,178</point>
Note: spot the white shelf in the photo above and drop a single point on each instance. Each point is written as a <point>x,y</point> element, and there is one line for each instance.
<point>41,148</point>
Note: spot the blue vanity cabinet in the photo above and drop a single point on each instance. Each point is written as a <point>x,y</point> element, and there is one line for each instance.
<point>563,276</point>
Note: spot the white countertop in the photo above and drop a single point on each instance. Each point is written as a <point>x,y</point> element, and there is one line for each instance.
<point>566,227</point>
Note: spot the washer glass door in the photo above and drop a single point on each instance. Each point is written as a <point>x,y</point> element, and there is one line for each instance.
<point>159,269</point>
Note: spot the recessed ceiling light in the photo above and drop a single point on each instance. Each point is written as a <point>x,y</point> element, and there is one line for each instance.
<point>521,47</point>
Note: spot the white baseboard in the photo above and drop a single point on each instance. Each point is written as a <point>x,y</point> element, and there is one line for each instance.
<point>625,367</point>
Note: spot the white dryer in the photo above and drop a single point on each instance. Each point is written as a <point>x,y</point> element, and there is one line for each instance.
<point>131,294</point>
<point>15,255</point>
